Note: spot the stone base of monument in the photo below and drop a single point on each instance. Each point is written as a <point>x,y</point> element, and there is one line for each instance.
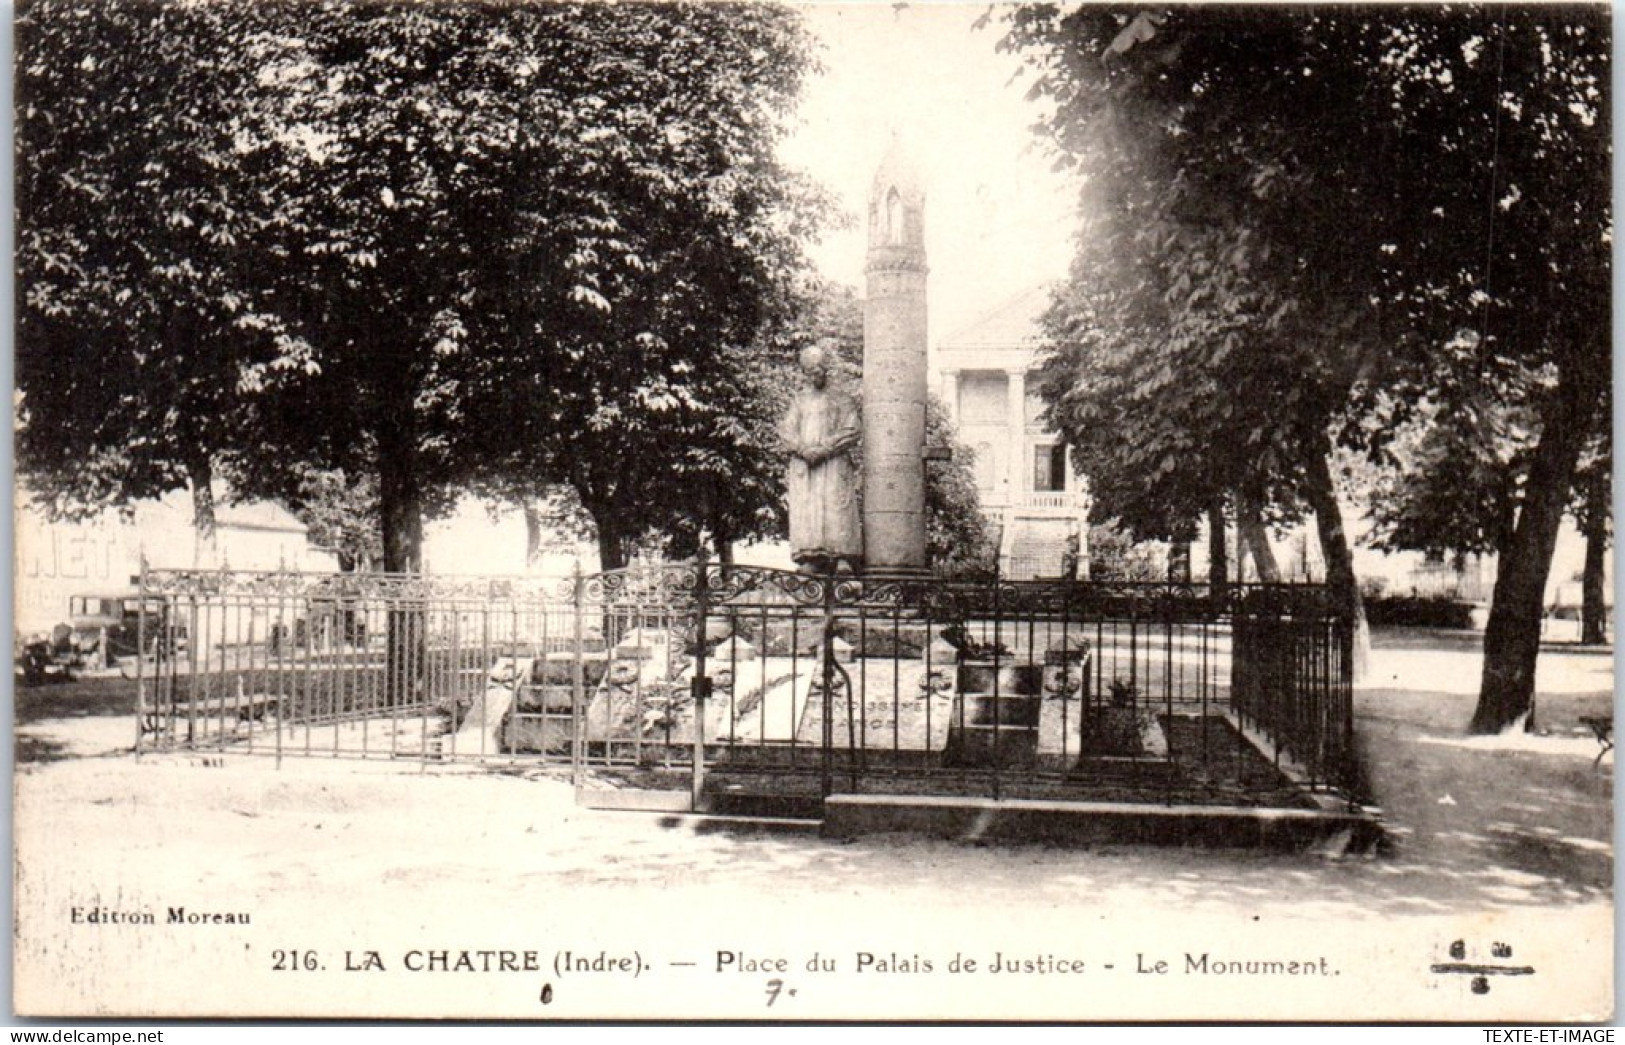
<point>896,640</point>
<point>996,716</point>
<point>537,734</point>
<point>757,700</point>
<point>1235,798</point>
<point>885,705</point>
<point>480,732</point>
<point>550,698</point>
<point>885,639</point>
<point>883,574</point>
<point>539,722</point>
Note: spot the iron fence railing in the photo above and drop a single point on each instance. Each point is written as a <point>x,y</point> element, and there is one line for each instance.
<point>340,664</point>
<point>731,681</point>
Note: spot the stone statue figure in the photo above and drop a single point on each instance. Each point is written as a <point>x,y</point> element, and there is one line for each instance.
<point>821,429</point>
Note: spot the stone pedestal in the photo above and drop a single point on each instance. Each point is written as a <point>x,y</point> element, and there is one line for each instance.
<point>996,716</point>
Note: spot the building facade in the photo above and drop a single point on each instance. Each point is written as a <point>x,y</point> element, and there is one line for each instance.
<point>102,555</point>
<point>985,374</point>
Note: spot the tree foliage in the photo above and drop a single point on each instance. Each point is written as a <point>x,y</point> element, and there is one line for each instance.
<point>138,304</point>
<point>1115,556</point>
<point>1318,225</point>
<point>437,244</point>
<point>959,539</point>
<point>1453,489</point>
<point>341,514</point>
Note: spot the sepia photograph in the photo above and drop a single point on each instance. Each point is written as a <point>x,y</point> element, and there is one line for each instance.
<point>780,512</point>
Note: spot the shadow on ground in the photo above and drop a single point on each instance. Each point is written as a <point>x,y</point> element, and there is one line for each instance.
<point>1471,827</point>
<point>75,698</point>
<point>1488,824</point>
<point>1467,641</point>
<point>31,749</point>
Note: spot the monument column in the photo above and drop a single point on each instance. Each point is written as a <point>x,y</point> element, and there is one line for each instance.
<point>894,373</point>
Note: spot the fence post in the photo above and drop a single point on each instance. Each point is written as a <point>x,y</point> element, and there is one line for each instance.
<point>140,668</point>
<point>826,672</point>
<point>578,709</point>
<point>1347,764</point>
<point>700,684</point>
<point>998,670</point>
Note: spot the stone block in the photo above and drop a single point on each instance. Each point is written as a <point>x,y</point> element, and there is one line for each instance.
<point>903,640</point>
<point>985,709</point>
<point>558,669</point>
<point>523,734</point>
<point>533,699</point>
<point>1005,677</point>
<point>735,650</point>
<point>782,638</point>
<point>984,747</point>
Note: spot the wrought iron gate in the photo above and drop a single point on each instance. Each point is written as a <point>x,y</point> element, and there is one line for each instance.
<point>733,687</point>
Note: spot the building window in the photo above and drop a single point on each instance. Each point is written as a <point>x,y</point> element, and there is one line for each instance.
<point>1049,468</point>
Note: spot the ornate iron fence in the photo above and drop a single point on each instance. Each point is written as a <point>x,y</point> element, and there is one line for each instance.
<point>742,686</point>
<point>340,664</point>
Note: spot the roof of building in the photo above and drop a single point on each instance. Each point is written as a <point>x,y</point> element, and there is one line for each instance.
<point>238,515</point>
<point>259,515</point>
<point>1012,323</point>
<point>899,170</point>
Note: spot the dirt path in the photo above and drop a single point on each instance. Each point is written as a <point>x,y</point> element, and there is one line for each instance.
<point>1512,838</point>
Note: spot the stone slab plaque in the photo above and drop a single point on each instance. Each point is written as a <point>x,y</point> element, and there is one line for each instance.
<point>893,706</point>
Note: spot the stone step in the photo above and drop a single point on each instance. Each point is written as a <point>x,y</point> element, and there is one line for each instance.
<point>1006,710</point>
<point>974,745</point>
<point>763,805</point>
<point>1008,678</point>
<point>547,698</point>
<point>534,733</point>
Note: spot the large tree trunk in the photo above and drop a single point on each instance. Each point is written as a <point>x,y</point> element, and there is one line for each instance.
<point>1512,637</point>
<point>1593,582</point>
<point>1218,568</point>
<point>722,540</point>
<point>1250,523</point>
<point>400,502</point>
<point>1321,493</point>
<point>1593,601</point>
<point>611,542</point>
<point>533,535</point>
<point>200,476</point>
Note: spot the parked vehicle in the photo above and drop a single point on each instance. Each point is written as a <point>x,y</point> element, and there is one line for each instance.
<point>101,629</point>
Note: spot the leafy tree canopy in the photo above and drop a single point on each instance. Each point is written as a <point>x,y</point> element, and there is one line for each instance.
<point>435,243</point>
<point>1331,223</point>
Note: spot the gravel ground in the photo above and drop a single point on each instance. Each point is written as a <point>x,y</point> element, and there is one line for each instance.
<point>1506,841</point>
